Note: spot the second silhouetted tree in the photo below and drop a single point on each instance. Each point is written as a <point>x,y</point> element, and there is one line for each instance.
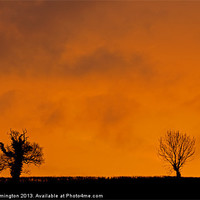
<point>18,153</point>
<point>176,148</point>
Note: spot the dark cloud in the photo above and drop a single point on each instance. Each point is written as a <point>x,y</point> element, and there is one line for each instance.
<point>105,63</point>
<point>51,113</point>
<point>7,101</point>
<point>34,35</point>
<point>56,117</point>
<point>192,103</point>
<point>111,115</point>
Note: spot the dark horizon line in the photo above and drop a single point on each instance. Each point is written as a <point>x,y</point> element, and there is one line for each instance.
<point>103,177</point>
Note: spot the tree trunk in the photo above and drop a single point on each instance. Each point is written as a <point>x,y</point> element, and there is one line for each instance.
<point>16,169</point>
<point>178,174</point>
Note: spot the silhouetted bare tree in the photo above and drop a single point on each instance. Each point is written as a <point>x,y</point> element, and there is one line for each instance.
<point>19,152</point>
<point>176,149</point>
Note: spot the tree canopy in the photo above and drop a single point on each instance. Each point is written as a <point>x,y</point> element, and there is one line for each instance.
<point>176,148</point>
<point>18,153</point>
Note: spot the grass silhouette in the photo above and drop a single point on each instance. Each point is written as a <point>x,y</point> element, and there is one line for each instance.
<point>109,187</point>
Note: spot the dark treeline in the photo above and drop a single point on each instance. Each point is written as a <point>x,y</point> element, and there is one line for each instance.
<point>110,188</point>
<point>71,179</point>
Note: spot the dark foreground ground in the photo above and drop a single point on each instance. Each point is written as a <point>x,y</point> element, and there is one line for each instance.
<point>101,188</point>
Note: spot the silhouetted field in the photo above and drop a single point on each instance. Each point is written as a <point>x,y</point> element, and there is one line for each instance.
<point>106,188</point>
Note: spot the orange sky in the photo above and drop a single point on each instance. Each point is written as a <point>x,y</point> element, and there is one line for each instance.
<point>97,83</point>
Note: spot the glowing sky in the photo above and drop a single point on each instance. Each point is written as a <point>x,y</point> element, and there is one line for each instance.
<point>97,83</point>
